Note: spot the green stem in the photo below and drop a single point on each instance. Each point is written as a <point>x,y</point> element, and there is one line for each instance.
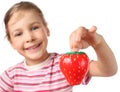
<point>75,52</point>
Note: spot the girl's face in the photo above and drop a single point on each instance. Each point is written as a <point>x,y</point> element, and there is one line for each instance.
<point>28,36</point>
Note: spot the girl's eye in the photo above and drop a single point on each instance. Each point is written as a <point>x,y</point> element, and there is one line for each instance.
<point>18,34</point>
<point>35,28</point>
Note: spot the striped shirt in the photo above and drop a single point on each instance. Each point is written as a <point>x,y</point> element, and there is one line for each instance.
<point>44,77</point>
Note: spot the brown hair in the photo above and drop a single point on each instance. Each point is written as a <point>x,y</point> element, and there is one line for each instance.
<point>21,6</point>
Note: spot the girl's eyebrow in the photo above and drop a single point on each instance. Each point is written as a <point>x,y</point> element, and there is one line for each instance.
<point>16,30</point>
<point>36,22</point>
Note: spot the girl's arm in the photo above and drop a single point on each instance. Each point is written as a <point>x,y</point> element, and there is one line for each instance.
<point>105,65</point>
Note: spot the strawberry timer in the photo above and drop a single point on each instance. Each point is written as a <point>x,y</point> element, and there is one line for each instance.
<point>74,66</point>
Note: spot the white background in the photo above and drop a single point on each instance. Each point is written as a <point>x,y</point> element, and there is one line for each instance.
<point>63,17</point>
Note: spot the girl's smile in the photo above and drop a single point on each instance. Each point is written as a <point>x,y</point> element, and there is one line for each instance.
<point>33,48</point>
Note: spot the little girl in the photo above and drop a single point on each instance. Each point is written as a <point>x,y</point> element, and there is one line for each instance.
<point>27,32</point>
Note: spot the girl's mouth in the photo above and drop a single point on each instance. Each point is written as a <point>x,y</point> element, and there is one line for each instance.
<point>33,48</point>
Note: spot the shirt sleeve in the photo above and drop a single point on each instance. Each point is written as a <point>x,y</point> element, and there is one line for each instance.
<point>86,79</point>
<point>5,82</point>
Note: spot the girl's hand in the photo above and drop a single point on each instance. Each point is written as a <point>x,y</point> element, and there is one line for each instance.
<point>83,38</point>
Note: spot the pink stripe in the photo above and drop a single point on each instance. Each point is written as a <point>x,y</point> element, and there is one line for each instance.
<point>5,81</point>
<point>3,90</point>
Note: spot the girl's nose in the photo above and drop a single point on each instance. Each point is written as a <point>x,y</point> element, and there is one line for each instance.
<point>29,37</point>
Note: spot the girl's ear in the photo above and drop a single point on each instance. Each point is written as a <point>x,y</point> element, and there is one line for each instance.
<point>47,30</point>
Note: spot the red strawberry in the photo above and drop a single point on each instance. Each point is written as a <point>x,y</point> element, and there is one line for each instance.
<point>74,66</point>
